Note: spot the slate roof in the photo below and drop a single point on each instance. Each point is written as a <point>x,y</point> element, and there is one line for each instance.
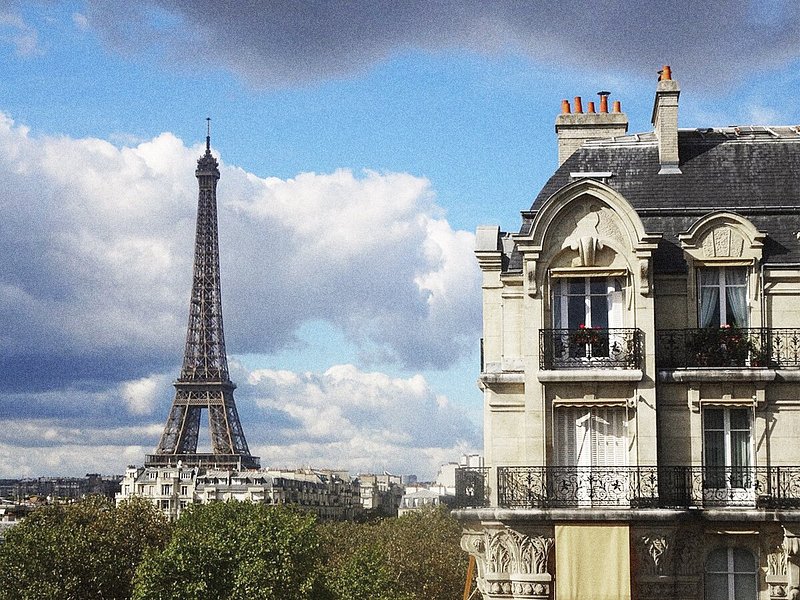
<point>752,171</point>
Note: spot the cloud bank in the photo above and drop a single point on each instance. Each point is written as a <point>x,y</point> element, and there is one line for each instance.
<point>290,42</point>
<point>94,288</point>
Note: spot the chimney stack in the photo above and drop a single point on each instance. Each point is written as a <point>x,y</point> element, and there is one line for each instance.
<point>665,121</point>
<point>575,127</point>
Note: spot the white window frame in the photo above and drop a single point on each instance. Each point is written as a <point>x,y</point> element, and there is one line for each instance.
<point>731,478</point>
<point>722,286</point>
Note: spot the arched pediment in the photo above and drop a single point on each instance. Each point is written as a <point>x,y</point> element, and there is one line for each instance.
<point>586,225</point>
<point>722,235</point>
<point>572,206</point>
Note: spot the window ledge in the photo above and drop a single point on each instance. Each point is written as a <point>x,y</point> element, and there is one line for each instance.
<point>572,375</point>
<point>716,374</point>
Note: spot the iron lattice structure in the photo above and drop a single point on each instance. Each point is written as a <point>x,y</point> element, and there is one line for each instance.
<point>204,383</point>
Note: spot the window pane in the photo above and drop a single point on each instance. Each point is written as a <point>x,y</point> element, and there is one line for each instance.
<point>735,276</point>
<point>714,418</point>
<point>715,448</point>
<point>577,287</point>
<point>577,312</point>
<point>740,418</point>
<point>716,587</point>
<point>600,311</point>
<point>743,561</point>
<point>598,286</point>
<point>717,561</point>
<point>745,587</point>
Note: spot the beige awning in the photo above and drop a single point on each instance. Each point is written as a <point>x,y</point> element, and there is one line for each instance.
<point>593,562</point>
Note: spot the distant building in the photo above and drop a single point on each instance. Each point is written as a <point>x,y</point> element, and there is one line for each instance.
<point>417,500</point>
<point>172,489</point>
<point>381,494</point>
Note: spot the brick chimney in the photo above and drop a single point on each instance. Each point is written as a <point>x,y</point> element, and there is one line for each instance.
<point>665,121</point>
<point>573,127</point>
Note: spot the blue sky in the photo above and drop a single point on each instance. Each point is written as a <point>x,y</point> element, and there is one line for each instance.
<point>361,144</point>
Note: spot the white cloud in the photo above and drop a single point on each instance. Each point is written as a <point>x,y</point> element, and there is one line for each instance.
<point>16,32</point>
<point>349,418</point>
<point>141,395</point>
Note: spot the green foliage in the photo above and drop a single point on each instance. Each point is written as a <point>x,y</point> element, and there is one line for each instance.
<point>83,551</point>
<point>414,557</point>
<point>234,551</point>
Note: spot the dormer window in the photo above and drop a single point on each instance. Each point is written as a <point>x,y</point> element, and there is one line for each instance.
<point>722,297</point>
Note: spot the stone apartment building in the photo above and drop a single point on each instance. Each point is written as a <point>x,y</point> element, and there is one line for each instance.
<point>330,495</point>
<point>641,368</point>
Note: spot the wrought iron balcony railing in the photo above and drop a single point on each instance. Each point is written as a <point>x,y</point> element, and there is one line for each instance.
<point>590,348</point>
<point>729,347</point>
<point>635,487</point>
<point>472,487</point>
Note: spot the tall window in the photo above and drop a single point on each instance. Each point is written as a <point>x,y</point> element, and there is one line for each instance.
<point>727,446</point>
<point>731,575</point>
<point>587,302</point>
<point>723,297</point>
<point>591,437</point>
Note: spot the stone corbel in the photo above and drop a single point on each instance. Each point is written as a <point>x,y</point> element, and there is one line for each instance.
<point>791,545</point>
<point>530,279</point>
<point>644,276</point>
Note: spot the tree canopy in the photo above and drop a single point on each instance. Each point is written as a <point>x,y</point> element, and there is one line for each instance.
<point>83,551</point>
<point>234,551</point>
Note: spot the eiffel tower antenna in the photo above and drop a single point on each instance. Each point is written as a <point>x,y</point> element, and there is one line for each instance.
<point>204,383</point>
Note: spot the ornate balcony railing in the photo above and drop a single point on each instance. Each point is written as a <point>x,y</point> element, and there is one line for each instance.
<point>472,487</point>
<point>727,347</point>
<point>649,487</point>
<point>590,348</point>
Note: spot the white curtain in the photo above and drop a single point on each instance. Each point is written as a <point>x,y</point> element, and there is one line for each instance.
<point>736,295</point>
<point>709,297</point>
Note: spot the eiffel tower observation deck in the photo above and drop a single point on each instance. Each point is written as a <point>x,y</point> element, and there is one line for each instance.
<point>204,383</point>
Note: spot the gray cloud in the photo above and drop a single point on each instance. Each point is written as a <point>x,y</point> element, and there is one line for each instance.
<point>291,42</point>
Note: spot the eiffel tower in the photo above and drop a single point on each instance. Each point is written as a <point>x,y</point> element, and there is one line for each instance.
<point>204,383</point>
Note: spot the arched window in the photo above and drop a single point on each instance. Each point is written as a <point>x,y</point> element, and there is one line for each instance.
<point>731,575</point>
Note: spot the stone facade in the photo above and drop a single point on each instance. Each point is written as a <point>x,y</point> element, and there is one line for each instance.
<point>172,489</point>
<point>641,370</point>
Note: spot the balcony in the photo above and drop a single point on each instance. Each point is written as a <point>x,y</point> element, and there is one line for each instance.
<point>727,347</point>
<point>633,487</point>
<point>472,487</point>
<point>590,348</point>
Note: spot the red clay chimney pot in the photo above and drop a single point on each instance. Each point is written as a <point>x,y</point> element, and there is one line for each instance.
<point>578,104</point>
<point>591,107</point>
<point>565,110</point>
<point>603,101</point>
<point>617,107</point>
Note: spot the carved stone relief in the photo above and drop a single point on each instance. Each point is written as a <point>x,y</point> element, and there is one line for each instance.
<point>723,242</point>
<point>510,564</point>
<point>586,229</point>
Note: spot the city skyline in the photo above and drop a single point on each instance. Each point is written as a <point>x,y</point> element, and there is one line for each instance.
<point>358,152</point>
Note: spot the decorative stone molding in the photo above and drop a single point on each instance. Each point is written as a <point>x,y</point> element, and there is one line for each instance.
<point>511,564</point>
<point>655,553</point>
<point>721,236</point>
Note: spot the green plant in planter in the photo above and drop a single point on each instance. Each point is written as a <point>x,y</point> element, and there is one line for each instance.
<point>725,346</point>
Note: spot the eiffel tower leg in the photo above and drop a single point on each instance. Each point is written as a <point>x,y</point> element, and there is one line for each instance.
<point>220,432</point>
<point>190,430</point>
<point>172,430</point>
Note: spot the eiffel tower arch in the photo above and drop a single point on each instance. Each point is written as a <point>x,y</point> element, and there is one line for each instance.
<point>204,383</point>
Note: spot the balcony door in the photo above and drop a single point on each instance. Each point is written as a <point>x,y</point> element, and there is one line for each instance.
<point>722,297</point>
<point>727,456</point>
<point>584,309</point>
<point>591,451</point>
